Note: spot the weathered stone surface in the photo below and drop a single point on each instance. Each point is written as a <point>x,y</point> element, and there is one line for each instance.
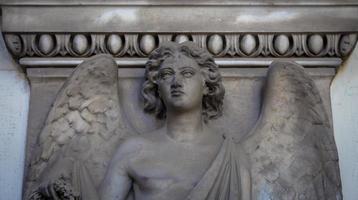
<point>344,94</point>
<point>14,108</point>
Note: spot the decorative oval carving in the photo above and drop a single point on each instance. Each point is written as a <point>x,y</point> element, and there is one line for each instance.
<point>248,44</point>
<point>221,45</point>
<point>315,43</point>
<point>215,44</point>
<point>80,43</point>
<point>46,43</point>
<point>14,44</point>
<point>147,43</point>
<point>346,44</point>
<point>114,43</point>
<point>281,44</point>
<point>181,38</point>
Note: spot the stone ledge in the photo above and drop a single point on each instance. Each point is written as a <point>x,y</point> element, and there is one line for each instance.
<point>62,62</point>
<point>181,2</point>
<point>50,73</point>
<point>180,18</point>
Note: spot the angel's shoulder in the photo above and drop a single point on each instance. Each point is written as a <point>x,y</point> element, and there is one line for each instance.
<point>134,144</point>
<point>130,144</point>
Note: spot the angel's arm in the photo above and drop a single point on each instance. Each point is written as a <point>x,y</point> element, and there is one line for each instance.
<point>115,186</point>
<point>117,182</point>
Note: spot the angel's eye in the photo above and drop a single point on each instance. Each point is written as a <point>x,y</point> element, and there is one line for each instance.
<point>188,73</point>
<point>165,75</point>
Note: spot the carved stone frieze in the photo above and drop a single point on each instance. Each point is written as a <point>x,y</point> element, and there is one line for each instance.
<point>220,45</point>
<point>90,146</point>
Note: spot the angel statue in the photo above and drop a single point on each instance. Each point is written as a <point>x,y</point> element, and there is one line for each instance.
<point>89,150</point>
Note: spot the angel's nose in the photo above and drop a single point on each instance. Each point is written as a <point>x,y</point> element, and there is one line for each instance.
<point>177,82</point>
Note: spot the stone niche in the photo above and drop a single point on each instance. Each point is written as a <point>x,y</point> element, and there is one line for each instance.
<point>49,38</point>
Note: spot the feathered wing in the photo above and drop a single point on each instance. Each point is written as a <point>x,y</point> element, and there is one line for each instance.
<point>83,128</point>
<point>291,148</point>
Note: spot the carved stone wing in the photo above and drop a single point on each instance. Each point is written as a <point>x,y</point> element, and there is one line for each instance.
<point>291,148</point>
<point>83,128</point>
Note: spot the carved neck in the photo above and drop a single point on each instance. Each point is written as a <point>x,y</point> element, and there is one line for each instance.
<point>184,126</point>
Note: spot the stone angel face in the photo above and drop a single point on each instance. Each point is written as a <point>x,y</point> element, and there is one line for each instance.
<point>180,83</point>
<point>182,76</point>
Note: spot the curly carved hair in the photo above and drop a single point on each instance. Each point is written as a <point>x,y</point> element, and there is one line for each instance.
<point>212,102</point>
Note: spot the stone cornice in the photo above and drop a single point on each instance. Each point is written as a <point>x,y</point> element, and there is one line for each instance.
<point>180,18</point>
<point>314,33</point>
<point>183,2</point>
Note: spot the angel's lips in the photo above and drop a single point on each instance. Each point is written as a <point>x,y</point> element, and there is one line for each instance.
<point>176,92</point>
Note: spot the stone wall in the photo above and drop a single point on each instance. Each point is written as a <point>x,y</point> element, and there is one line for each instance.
<point>49,38</point>
<point>344,94</point>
